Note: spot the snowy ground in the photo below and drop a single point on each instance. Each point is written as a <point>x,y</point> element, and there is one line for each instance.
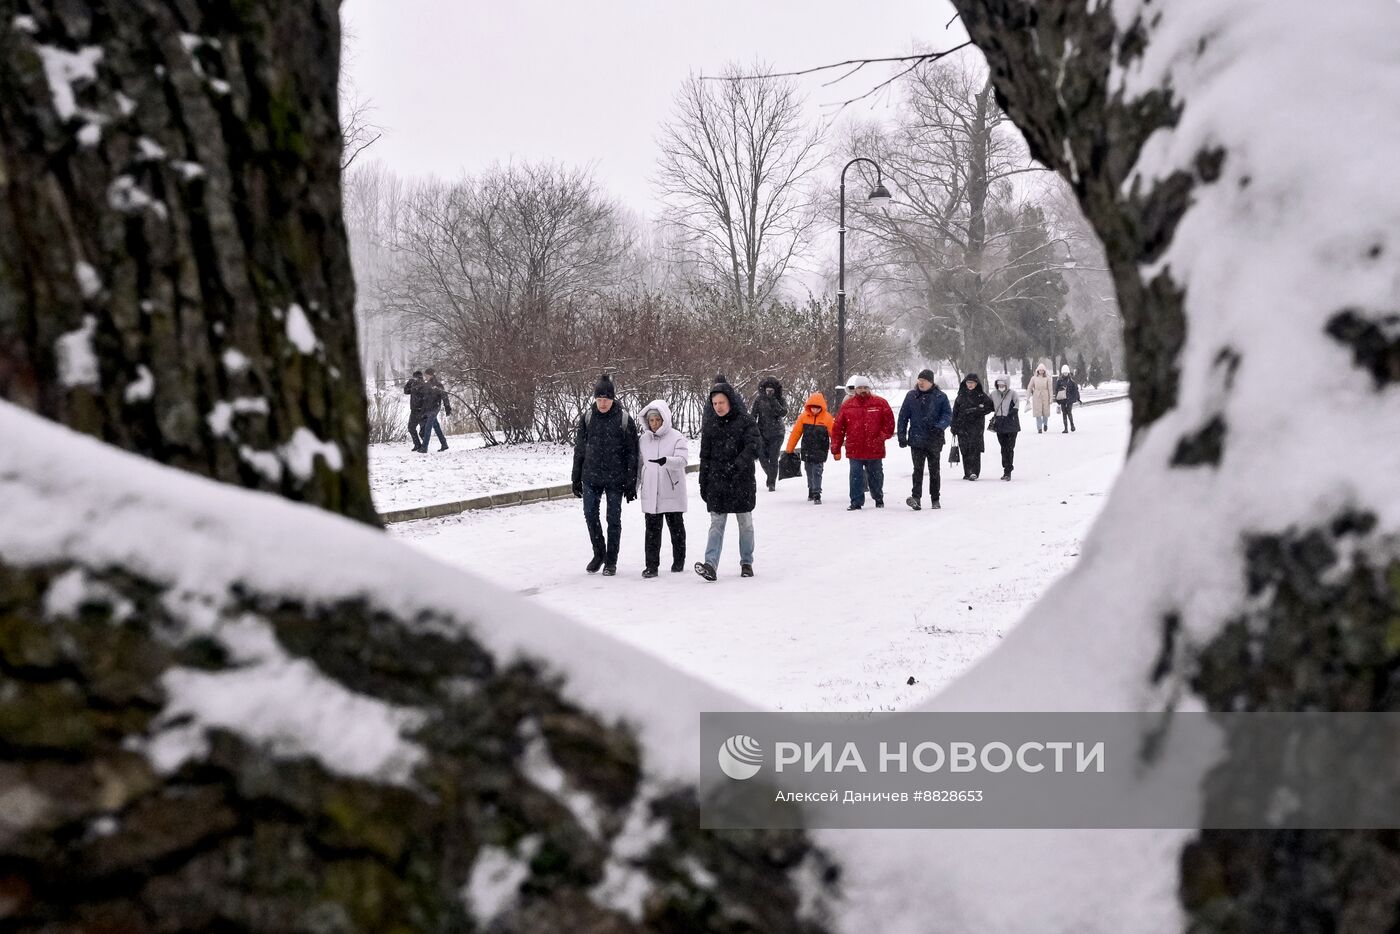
<point>846,607</point>
<point>401,479</point>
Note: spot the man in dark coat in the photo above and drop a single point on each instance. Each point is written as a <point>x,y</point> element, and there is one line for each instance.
<point>1067,396</point>
<point>428,398</point>
<point>445,399</point>
<point>605,465</point>
<point>730,443</point>
<point>970,412</point>
<point>415,414</point>
<point>923,418</point>
<point>769,409</point>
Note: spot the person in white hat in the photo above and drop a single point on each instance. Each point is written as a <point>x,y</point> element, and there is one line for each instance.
<point>1066,395</point>
<point>863,426</point>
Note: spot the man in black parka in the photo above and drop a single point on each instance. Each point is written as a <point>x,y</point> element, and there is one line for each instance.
<point>769,409</point>
<point>729,445</point>
<point>605,465</point>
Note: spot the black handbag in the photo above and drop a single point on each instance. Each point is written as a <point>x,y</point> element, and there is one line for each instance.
<point>789,466</point>
<point>955,456</point>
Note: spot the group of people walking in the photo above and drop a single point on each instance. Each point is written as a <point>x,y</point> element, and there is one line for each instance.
<point>426,398</point>
<point>614,460</point>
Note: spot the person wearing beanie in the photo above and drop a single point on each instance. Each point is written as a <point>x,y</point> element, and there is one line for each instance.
<point>970,411</point>
<point>605,467</point>
<point>1066,396</point>
<point>923,417</point>
<point>1006,422</point>
<point>862,427</point>
<point>1040,389</point>
<point>769,410</point>
<point>813,430</point>
<point>729,446</point>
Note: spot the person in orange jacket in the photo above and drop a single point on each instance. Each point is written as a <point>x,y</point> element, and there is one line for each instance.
<point>813,430</point>
<point>863,425</point>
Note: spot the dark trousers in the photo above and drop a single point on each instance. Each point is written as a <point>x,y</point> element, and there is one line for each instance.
<point>592,499</point>
<point>1008,449</point>
<point>930,457</point>
<point>971,460</point>
<point>675,521</point>
<point>1067,414</point>
<point>768,457</point>
<point>814,477</point>
<point>870,471</point>
<point>413,420</point>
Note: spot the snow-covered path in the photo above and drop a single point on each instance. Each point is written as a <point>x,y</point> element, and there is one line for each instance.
<point>845,607</point>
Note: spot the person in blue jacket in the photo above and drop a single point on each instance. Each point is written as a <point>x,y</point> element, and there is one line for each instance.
<point>923,418</point>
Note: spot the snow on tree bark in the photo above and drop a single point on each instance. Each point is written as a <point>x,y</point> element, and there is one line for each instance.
<point>174,277</point>
<point>1227,156</point>
<point>218,710</point>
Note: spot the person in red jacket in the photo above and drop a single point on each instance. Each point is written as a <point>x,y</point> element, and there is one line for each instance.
<point>863,425</point>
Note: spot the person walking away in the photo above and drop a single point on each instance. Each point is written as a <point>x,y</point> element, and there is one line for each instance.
<point>415,414</point>
<point>663,453</point>
<point>813,430</point>
<point>769,409</point>
<point>729,446</point>
<point>863,425</point>
<point>429,397</point>
<point>605,467</point>
<point>1006,422</point>
<point>1067,396</point>
<point>1040,389</point>
<point>923,417</point>
<point>970,410</point>
<point>446,400</point>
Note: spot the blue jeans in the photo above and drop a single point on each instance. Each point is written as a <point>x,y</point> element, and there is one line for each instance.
<point>592,499</point>
<point>427,426</point>
<point>872,470</point>
<point>1042,423</point>
<point>814,477</point>
<point>715,542</point>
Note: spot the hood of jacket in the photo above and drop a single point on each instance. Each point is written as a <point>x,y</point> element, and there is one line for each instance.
<point>661,408</point>
<point>815,401</point>
<point>771,382</point>
<point>736,404</point>
<point>971,377</point>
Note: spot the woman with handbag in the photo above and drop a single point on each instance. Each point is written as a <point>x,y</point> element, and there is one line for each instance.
<point>1006,422</point>
<point>1066,395</point>
<point>970,410</point>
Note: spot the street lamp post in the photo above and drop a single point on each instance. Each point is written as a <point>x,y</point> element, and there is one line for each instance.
<point>879,196</point>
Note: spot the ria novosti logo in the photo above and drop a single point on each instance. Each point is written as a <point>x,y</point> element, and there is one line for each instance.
<point>740,757</point>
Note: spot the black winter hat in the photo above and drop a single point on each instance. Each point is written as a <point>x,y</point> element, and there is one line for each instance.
<point>604,389</point>
<point>926,373</point>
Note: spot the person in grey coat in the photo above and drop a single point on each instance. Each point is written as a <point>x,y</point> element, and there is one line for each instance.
<point>1006,422</point>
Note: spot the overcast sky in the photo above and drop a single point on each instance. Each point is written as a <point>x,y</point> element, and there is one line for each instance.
<point>459,84</point>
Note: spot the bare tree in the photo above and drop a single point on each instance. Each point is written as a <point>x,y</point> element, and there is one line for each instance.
<point>358,131</point>
<point>737,159</point>
<point>494,271</point>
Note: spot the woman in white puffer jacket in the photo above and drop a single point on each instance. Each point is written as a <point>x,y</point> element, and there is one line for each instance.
<point>661,489</point>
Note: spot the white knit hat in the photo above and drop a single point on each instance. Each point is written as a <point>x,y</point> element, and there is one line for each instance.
<point>1064,370</point>
<point>859,381</point>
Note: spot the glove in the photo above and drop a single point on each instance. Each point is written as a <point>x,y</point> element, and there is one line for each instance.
<point>630,493</point>
<point>578,488</point>
<point>657,460</point>
<point>903,443</point>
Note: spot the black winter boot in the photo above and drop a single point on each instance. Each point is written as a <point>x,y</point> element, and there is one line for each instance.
<point>595,564</point>
<point>746,570</point>
<point>913,503</point>
<point>648,573</point>
<point>705,571</point>
<point>677,565</point>
<point>610,570</point>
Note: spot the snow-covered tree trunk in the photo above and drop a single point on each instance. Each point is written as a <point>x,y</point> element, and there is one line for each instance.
<point>223,711</point>
<point>1236,160</point>
<point>174,276</point>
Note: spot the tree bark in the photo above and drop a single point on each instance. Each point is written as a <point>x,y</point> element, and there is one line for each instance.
<point>174,280</point>
<point>174,274</point>
<point>1302,572</point>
